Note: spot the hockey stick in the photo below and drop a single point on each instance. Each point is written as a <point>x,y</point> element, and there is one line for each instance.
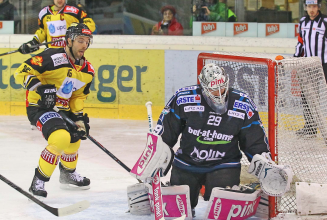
<point>156,186</point>
<point>72,123</point>
<point>33,46</point>
<point>68,210</point>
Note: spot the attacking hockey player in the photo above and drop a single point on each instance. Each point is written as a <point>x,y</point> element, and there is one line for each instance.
<point>216,123</point>
<point>59,77</point>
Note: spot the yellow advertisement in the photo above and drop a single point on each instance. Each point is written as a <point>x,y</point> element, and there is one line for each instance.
<point>124,81</point>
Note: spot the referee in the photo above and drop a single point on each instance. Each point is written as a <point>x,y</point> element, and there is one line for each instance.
<point>312,41</point>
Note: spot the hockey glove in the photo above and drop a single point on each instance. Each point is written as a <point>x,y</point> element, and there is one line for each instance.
<point>82,121</point>
<point>274,179</point>
<point>48,96</point>
<point>29,47</point>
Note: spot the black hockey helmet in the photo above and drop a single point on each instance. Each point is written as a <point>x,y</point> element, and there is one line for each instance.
<point>78,29</point>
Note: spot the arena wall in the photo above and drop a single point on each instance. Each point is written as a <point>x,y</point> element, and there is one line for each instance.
<point>131,70</point>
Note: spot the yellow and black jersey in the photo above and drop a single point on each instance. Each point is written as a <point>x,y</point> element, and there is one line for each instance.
<point>53,66</point>
<point>53,24</point>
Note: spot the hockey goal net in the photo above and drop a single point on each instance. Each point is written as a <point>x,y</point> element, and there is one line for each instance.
<point>290,94</point>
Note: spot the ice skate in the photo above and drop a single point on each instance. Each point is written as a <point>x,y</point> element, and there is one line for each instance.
<point>37,188</point>
<point>71,180</point>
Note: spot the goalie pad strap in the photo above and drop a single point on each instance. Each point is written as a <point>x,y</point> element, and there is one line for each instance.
<point>138,199</point>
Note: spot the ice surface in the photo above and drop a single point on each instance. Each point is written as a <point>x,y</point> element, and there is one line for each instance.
<point>21,147</point>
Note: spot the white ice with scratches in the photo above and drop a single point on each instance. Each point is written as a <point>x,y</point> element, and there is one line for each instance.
<point>20,149</point>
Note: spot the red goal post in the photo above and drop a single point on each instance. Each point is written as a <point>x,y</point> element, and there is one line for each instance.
<point>279,88</point>
<point>271,65</point>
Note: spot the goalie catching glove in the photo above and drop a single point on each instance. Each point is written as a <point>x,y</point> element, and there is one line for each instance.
<point>157,156</point>
<point>274,179</point>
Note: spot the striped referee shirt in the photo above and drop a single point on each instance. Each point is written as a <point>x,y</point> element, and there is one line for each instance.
<point>312,37</point>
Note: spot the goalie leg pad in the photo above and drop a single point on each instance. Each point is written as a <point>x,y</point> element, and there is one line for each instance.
<point>157,155</point>
<point>232,203</point>
<point>138,199</point>
<point>176,202</point>
<point>274,179</point>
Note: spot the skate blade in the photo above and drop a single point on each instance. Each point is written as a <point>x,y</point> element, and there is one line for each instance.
<point>73,187</point>
<point>41,198</point>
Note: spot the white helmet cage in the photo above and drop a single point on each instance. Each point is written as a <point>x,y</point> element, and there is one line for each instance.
<point>214,78</point>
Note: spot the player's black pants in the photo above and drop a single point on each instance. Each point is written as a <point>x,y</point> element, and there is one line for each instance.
<point>218,178</point>
<point>50,123</point>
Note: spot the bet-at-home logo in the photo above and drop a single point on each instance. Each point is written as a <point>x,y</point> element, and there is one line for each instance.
<point>209,137</point>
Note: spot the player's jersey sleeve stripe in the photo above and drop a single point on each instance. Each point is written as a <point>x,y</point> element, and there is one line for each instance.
<point>31,82</point>
<point>34,86</point>
<point>173,111</point>
<point>253,123</point>
<point>248,154</point>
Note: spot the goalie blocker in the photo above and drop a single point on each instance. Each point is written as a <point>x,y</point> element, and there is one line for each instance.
<point>157,156</point>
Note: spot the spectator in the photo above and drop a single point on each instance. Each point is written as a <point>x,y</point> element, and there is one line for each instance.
<point>212,11</point>
<point>169,24</point>
<point>7,11</point>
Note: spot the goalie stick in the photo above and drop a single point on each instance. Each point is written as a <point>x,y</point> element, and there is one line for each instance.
<point>156,186</point>
<point>64,211</point>
<point>15,51</point>
<point>71,122</point>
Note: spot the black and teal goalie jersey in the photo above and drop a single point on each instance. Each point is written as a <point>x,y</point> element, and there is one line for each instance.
<point>208,138</point>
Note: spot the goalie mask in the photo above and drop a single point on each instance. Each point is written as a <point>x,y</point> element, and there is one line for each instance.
<point>214,82</point>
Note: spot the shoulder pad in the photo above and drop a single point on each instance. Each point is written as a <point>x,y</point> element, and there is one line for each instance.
<point>188,99</point>
<point>187,88</point>
<point>239,92</point>
<point>71,9</point>
<point>247,99</point>
<point>43,12</point>
<point>59,59</point>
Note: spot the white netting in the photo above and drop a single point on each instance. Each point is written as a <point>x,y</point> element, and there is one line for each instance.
<point>301,94</point>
